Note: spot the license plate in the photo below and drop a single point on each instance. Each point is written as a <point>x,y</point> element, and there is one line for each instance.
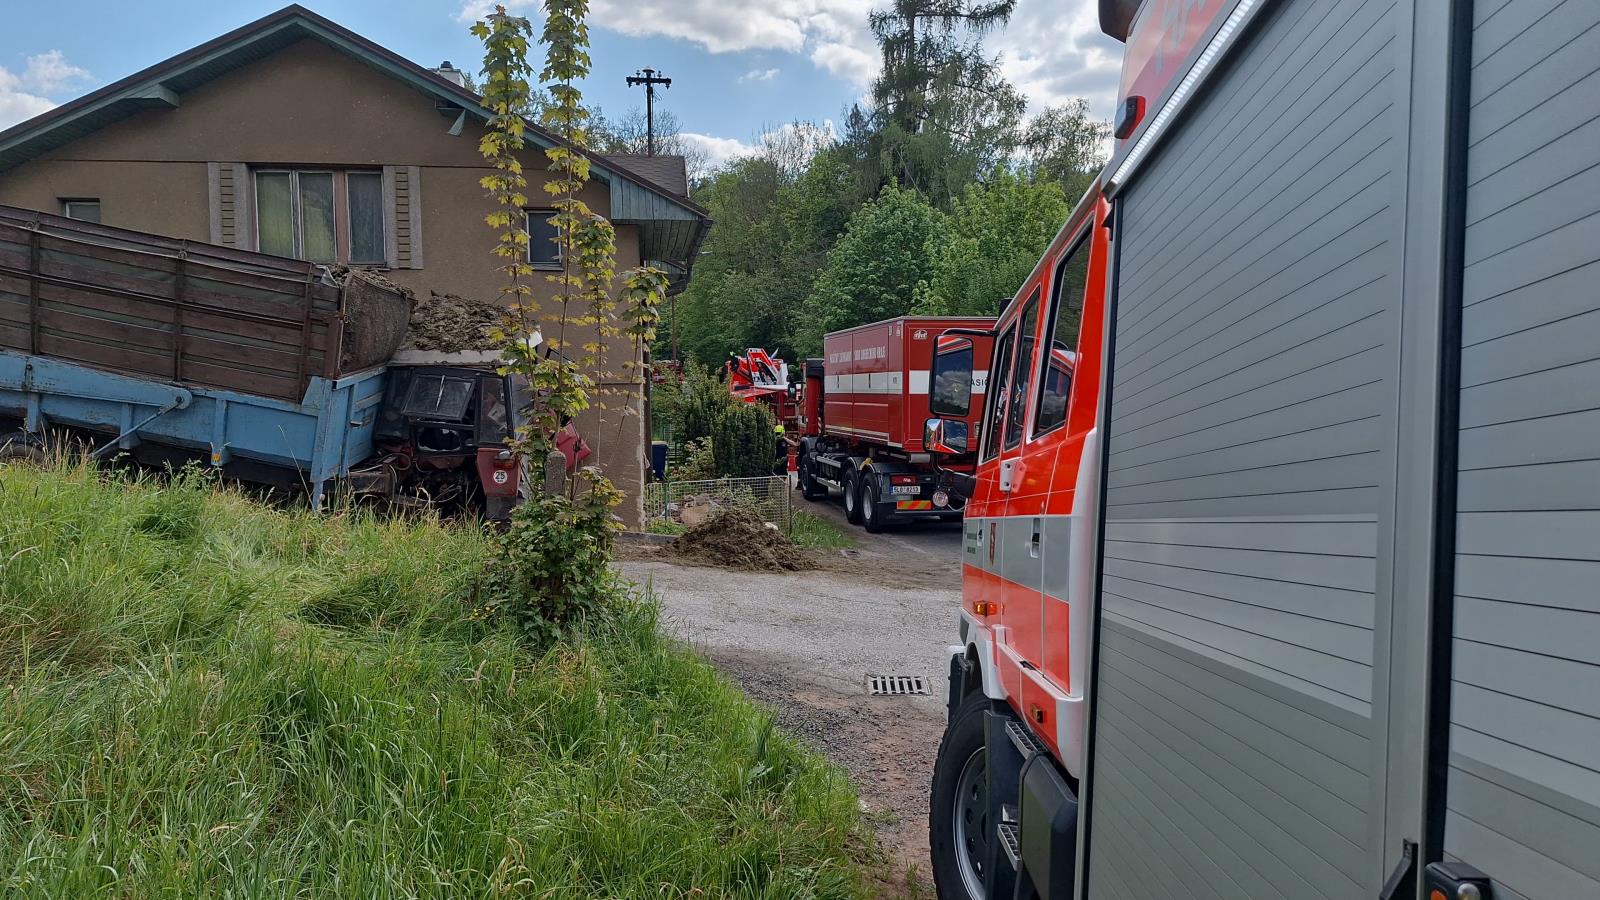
<point>912,489</point>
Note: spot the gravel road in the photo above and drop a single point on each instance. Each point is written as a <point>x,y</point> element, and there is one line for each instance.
<point>805,643</point>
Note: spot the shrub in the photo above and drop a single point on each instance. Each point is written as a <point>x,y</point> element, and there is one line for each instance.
<point>551,568</point>
<point>744,442</point>
<point>699,462</point>
<point>706,399</point>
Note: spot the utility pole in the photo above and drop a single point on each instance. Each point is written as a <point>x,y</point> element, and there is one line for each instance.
<point>649,78</point>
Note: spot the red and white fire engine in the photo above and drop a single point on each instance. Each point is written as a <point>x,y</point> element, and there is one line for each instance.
<point>865,404</point>
<point>1279,560</point>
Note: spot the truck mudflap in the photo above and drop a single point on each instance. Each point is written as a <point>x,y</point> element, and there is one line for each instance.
<point>1047,825</point>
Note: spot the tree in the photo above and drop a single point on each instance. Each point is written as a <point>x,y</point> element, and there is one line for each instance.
<point>776,214</point>
<point>550,568</point>
<point>942,114</point>
<point>627,135</point>
<point>995,235</point>
<point>873,270</point>
<point>1062,144</point>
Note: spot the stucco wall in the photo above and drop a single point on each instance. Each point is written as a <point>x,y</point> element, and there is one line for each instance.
<point>310,105</point>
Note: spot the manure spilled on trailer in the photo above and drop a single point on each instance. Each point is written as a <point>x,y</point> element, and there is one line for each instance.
<point>737,538</point>
<point>448,323</point>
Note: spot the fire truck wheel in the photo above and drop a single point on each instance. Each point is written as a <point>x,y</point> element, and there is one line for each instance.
<point>959,829</point>
<point>810,488</point>
<point>872,517</point>
<point>852,499</point>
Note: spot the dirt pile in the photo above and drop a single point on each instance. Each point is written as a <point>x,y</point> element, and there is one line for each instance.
<point>448,323</point>
<point>736,538</point>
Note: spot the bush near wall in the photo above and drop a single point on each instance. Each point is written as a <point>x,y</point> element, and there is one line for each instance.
<point>744,441</point>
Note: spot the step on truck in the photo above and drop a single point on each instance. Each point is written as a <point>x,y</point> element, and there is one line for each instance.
<point>274,371</point>
<point>865,404</point>
<point>1288,590</point>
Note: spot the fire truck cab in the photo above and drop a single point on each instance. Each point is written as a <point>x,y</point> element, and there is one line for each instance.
<point>1017,677</point>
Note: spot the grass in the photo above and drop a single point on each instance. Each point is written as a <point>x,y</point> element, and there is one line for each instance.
<point>808,530</point>
<point>202,696</point>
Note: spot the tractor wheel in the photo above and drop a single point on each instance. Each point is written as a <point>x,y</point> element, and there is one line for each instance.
<point>959,830</point>
<point>872,515</point>
<point>852,499</point>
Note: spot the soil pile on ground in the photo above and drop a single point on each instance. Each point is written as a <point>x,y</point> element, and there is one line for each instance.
<point>448,323</point>
<point>736,538</point>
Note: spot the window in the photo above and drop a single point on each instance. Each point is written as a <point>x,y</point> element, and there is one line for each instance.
<point>1017,398</point>
<point>84,210</point>
<point>438,397</point>
<point>364,199</point>
<point>952,381</point>
<point>1066,315</point>
<point>321,216</point>
<point>543,251</point>
<point>998,381</point>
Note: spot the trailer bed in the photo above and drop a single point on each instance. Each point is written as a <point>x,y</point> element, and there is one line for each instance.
<point>187,313</point>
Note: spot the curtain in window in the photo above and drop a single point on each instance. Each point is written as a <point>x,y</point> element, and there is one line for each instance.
<point>366,217</point>
<point>275,213</point>
<point>316,216</point>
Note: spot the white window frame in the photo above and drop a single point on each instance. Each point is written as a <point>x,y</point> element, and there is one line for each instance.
<point>342,239</point>
<point>68,202</point>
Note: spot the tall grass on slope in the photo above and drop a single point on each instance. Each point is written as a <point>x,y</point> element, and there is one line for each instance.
<point>200,696</point>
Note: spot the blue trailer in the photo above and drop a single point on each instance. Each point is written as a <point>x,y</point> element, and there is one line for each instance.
<point>321,437</point>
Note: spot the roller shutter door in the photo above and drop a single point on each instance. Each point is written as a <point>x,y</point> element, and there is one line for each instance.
<point>1524,769</point>
<point>1249,436</point>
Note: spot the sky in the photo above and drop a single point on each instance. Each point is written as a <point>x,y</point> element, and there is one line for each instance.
<point>739,67</point>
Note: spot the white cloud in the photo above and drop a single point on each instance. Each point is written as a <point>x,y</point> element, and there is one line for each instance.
<point>853,64</point>
<point>49,72</point>
<point>1052,51</point>
<point>718,150</point>
<point>27,95</point>
<point>832,32</point>
<point>758,75</point>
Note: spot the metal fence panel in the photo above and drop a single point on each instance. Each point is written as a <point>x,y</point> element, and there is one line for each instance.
<point>675,501</point>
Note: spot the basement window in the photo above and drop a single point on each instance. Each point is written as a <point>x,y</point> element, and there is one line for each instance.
<point>85,209</point>
<point>326,216</point>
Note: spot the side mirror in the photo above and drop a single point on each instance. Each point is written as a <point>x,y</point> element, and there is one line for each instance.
<point>950,390</point>
<point>947,436</point>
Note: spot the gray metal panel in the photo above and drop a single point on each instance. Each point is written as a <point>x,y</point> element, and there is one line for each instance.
<point>1524,786</point>
<point>1250,429</point>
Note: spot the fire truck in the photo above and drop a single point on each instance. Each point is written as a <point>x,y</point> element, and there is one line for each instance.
<point>865,403</point>
<point>759,377</point>
<point>1280,555</point>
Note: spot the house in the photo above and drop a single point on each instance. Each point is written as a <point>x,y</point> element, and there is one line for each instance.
<point>295,136</point>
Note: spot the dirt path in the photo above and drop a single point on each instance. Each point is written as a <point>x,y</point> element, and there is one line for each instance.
<point>805,643</point>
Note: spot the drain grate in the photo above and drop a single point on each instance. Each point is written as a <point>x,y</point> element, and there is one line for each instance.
<point>895,685</point>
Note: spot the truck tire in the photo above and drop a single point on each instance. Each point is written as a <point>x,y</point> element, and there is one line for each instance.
<point>810,487</point>
<point>873,518</point>
<point>852,499</point>
<point>959,830</point>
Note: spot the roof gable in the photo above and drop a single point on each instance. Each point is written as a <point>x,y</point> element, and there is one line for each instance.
<point>164,83</point>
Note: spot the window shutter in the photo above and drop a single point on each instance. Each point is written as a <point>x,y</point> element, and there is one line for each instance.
<point>232,205</point>
<point>402,216</point>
